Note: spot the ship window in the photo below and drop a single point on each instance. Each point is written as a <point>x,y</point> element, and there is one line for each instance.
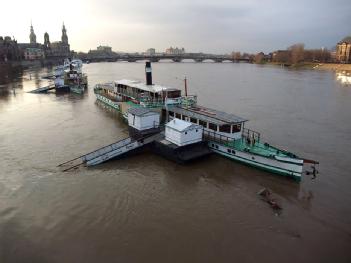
<point>171,113</point>
<point>203,123</point>
<point>186,132</point>
<point>236,128</point>
<point>183,117</point>
<point>193,120</point>
<point>177,115</point>
<point>196,130</point>
<point>212,145</point>
<point>173,94</point>
<point>212,126</point>
<point>216,146</point>
<point>225,128</point>
<point>229,150</point>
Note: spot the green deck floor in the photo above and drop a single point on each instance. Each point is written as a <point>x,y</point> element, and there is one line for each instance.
<point>259,148</point>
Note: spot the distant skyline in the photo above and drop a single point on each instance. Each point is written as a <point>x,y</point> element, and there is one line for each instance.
<point>207,26</point>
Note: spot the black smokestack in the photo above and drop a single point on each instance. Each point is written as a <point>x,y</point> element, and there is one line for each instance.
<point>148,73</point>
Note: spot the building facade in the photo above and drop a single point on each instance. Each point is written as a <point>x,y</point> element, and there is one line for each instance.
<point>31,50</point>
<point>9,49</point>
<point>175,51</point>
<point>150,52</point>
<point>101,52</point>
<point>343,51</point>
<point>34,53</point>
<point>106,49</point>
<point>55,50</point>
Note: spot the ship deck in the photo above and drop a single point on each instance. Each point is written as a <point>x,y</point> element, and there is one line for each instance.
<point>259,148</point>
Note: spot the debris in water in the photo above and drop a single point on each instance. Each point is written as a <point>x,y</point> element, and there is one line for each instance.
<point>266,195</point>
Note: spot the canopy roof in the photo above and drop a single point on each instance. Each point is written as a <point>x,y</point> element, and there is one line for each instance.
<point>141,111</point>
<point>142,86</point>
<point>207,114</point>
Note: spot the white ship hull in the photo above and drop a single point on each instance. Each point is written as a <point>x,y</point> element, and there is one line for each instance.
<point>291,167</point>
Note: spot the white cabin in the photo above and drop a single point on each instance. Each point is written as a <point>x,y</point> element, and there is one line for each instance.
<point>143,119</point>
<point>215,123</point>
<point>182,132</point>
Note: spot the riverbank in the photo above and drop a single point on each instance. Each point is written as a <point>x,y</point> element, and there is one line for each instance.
<point>333,66</point>
<point>318,66</point>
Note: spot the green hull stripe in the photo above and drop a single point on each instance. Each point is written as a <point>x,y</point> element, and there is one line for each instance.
<point>267,167</point>
<point>107,102</point>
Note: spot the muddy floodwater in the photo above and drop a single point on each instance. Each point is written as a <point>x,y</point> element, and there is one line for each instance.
<point>147,209</point>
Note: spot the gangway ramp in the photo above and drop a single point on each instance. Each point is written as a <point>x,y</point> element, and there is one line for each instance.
<point>43,89</point>
<point>109,152</point>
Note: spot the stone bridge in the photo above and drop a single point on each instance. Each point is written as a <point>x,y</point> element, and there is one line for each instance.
<point>196,57</point>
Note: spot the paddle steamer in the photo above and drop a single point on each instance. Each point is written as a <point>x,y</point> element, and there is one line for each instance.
<point>224,133</point>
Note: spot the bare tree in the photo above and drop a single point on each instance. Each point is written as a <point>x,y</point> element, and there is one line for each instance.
<point>236,55</point>
<point>259,58</point>
<point>297,53</point>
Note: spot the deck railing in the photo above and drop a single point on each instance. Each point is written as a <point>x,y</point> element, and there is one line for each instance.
<point>148,102</point>
<point>105,94</point>
<point>251,135</point>
<point>189,100</point>
<point>216,137</point>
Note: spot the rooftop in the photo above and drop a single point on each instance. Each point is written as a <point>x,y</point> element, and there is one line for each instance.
<point>140,85</point>
<point>346,39</point>
<point>208,115</point>
<point>180,125</point>
<point>140,111</point>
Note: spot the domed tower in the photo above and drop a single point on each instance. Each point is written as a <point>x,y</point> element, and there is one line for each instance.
<point>32,36</point>
<point>46,41</point>
<point>64,37</point>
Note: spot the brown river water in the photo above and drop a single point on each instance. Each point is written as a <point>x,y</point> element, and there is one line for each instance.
<point>147,209</point>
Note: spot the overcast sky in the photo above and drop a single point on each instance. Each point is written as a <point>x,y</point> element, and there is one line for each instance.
<point>216,26</point>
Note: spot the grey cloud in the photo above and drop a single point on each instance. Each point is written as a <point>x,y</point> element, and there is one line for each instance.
<point>221,26</point>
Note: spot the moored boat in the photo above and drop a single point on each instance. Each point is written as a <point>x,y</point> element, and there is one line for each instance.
<point>72,79</point>
<point>79,89</point>
<point>77,65</point>
<point>224,133</point>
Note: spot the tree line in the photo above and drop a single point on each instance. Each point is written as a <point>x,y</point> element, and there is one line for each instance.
<point>296,54</point>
